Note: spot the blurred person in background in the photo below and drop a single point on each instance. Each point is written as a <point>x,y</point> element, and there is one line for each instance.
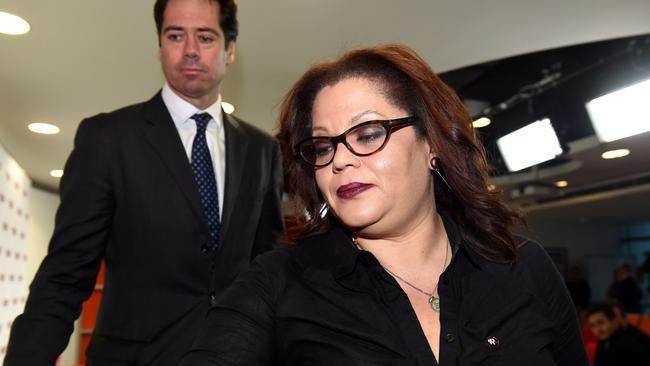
<point>618,344</point>
<point>579,290</point>
<point>625,290</point>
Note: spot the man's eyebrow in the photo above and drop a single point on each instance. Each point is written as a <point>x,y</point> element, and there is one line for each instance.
<point>173,28</point>
<point>210,30</point>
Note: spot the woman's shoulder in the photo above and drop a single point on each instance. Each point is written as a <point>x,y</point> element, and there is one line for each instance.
<point>321,251</point>
<point>538,269</point>
<point>530,250</point>
<point>533,257</point>
<point>274,264</point>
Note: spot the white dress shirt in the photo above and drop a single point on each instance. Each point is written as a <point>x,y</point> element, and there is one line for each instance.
<point>181,111</point>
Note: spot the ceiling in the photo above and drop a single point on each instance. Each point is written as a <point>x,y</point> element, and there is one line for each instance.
<point>556,83</point>
<point>85,57</point>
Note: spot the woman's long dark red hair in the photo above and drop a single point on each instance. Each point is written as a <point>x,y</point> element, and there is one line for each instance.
<point>408,82</point>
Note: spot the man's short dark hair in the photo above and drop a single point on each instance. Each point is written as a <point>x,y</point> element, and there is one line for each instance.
<point>605,309</point>
<point>227,18</point>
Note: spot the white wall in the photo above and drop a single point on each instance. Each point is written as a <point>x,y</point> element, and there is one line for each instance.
<point>43,207</point>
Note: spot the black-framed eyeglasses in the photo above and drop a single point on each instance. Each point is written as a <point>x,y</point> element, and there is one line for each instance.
<point>362,140</point>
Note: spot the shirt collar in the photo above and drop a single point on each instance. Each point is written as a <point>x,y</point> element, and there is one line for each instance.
<point>336,253</point>
<point>456,241</point>
<point>181,110</point>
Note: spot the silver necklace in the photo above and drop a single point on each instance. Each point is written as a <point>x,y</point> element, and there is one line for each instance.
<point>434,301</point>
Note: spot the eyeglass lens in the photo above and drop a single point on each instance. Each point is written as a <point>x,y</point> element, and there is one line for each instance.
<point>364,139</point>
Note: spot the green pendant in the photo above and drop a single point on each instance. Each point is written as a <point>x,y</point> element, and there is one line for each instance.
<point>435,303</point>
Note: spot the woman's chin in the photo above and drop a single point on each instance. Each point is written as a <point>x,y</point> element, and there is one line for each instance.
<point>357,222</point>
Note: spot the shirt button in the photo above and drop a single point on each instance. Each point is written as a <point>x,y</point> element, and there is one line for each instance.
<point>205,249</point>
<point>213,299</point>
<point>450,338</point>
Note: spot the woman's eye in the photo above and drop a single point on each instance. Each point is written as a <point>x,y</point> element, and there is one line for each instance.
<point>322,148</point>
<point>369,135</point>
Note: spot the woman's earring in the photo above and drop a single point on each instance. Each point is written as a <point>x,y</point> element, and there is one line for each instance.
<point>324,210</point>
<point>434,163</point>
<point>435,167</point>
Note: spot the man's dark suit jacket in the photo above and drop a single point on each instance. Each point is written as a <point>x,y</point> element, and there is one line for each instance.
<point>128,196</point>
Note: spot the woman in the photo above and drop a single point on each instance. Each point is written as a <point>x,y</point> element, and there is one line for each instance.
<point>405,257</point>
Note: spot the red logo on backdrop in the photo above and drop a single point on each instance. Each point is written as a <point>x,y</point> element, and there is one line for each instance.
<point>5,226</point>
<point>2,197</point>
<point>11,204</point>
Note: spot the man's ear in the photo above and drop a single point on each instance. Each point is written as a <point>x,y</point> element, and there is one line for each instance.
<point>230,52</point>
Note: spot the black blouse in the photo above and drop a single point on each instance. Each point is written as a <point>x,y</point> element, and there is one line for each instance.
<point>324,302</point>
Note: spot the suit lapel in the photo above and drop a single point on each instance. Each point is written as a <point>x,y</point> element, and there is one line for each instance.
<point>163,137</point>
<point>236,148</point>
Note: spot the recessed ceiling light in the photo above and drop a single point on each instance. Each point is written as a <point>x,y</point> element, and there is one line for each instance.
<point>615,154</point>
<point>13,24</point>
<point>561,183</point>
<point>481,122</point>
<point>56,173</point>
<point>227,107</point>
<point>44,128</point>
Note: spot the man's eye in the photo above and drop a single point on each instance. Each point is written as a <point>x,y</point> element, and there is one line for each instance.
<point>174,37</point>
<point>206,39</point>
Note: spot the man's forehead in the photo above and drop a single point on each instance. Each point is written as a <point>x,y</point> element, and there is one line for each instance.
<point>183,19</point>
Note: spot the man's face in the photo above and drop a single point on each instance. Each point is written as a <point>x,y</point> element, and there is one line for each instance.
<point>602,326</point>
<point>192,50</point>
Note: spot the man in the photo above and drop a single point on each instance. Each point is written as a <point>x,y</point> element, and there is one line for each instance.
<point>625,290</point>
<point>617,345</point>
<point>175,201</point>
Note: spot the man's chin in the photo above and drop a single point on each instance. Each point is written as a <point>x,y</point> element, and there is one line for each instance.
<point>193,91</point>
